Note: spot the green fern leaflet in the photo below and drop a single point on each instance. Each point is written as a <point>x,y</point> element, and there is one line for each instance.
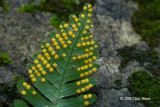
<point>61,73</point>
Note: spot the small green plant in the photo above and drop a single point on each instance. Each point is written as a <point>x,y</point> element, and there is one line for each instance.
<point>4,59</point>
<point>4,5</point>
<point>142,84</point>
<point>146,22</point>
<point>60,74</point>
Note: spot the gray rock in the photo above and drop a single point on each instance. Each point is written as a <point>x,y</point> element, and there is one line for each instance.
<point>6,75</point>
<point>113,100</point>
<point>113,29</point>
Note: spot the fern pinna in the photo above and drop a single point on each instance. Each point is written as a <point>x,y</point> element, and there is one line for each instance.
<point>61,72</point>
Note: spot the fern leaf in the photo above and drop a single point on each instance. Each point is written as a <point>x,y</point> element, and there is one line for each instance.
<point>19,103</point>
<point>61,72</point>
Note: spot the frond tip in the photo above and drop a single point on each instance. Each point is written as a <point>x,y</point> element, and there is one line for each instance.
<point>63,68</point>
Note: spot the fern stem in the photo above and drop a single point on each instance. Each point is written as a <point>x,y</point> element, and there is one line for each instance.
<point>68,61</point>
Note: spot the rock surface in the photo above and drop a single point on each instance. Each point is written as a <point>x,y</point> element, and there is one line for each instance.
<point>113,29</point>
<point>21,34</point>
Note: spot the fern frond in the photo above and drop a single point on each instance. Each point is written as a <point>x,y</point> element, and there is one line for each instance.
<point>61,73</point>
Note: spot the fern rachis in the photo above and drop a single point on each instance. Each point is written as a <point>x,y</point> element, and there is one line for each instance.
<point>62,70</point>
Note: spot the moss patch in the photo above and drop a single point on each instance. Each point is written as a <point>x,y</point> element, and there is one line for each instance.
<point>142,84</point>
<point>33,7</point>
<point>4,59</point>
<point>150,56</point>
<point>146,21</point>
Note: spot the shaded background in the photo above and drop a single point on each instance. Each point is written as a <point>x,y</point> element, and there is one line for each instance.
<point>129,47</point>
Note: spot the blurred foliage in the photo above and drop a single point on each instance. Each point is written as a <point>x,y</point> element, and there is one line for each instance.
<point>146,22</point>
<point>4,59</point>
<point>142,84</point>
<point>4,5</point>
<point>61,9</point>
<point>142,56</point>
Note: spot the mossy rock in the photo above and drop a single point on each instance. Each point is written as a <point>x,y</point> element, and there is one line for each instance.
<point>131,53</point>
<point>142,84</point>
<point>146,21</point>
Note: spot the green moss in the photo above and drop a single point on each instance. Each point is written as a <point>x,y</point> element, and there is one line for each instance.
<point>131,53</point>
<point>142,84</point>
<point>4,59</point>
<point>31,8</point>
<point>146,21</point>
<point>61,8</point>
<point>4,5</point>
